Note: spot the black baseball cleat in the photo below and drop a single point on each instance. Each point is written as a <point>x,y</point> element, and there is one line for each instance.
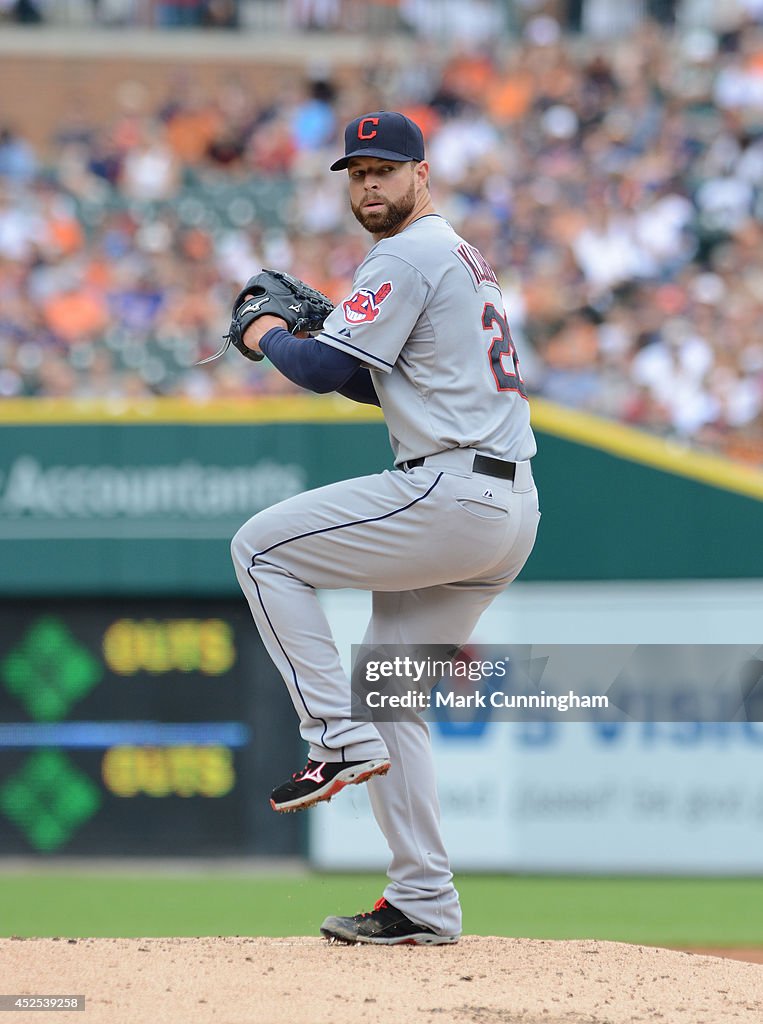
<point>384,925</point>
<point>320,780</point>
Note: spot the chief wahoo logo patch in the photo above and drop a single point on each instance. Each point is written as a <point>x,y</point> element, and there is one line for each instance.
<point>363,306</point>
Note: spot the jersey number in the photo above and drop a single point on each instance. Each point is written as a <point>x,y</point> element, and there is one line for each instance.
<point>502,346</point>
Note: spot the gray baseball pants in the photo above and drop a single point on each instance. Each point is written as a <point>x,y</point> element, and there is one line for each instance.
<point>435,545</point>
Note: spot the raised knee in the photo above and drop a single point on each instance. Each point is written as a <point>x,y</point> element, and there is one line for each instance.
<point>236,549</point>
<point>244,547</point>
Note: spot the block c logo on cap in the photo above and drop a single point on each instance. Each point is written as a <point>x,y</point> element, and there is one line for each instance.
<point>362,133</point>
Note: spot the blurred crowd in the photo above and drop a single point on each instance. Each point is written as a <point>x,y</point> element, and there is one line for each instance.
<point>467,20</point>
<point>617,189</point>
<point>319,15</point>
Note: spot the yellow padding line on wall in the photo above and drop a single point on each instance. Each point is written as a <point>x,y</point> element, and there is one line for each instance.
<point>647,449</point>
<point>579,427</point>
<point>258,409</point>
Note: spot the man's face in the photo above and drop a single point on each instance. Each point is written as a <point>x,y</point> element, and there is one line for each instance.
<point>382,192</point>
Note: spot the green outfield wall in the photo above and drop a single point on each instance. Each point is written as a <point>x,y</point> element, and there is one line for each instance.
<point>103,500</point>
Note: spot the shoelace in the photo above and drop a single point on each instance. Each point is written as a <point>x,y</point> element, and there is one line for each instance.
<point>381,904</point>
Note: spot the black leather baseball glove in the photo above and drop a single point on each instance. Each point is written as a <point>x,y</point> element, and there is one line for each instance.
<point>278,294</point>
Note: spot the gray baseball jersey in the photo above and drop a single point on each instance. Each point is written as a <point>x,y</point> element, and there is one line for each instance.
<point>426,316</point>
<point>433,542</point>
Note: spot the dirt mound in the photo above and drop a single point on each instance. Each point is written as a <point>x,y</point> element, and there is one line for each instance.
<point>309,981</point>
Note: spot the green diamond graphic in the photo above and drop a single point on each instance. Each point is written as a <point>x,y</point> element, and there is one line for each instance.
<point>49,670</point>
<point>48,799</point>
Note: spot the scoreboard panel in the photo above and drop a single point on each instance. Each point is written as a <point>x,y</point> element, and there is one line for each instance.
<point>139,727</point>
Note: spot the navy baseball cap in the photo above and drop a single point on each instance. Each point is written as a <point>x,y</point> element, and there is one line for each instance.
<point>384,133</point>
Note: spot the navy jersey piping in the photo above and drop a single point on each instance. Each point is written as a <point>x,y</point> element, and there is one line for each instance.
<point>345,342</point>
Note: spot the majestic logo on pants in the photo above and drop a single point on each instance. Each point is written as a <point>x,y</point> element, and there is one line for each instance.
<point>363,306</point>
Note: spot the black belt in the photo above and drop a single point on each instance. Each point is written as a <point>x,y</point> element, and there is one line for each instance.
<point>482,464</point>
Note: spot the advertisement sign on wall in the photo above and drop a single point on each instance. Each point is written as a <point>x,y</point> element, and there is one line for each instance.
<point>613,796</point>
<point>580,797</point>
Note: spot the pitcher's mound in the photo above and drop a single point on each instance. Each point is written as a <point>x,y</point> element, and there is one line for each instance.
<point>309,981</point>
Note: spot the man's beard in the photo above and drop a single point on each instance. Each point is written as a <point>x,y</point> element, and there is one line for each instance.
<point>379,223</point>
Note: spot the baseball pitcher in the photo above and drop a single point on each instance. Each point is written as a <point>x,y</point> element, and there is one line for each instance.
<point>424,335</point>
